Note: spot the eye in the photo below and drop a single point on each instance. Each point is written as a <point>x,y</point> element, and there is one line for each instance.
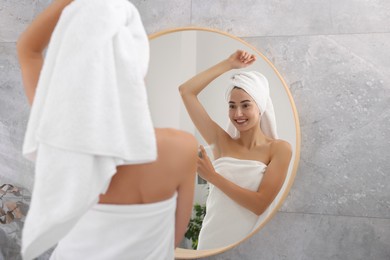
<point>246,105</point>
<point>231,106</point>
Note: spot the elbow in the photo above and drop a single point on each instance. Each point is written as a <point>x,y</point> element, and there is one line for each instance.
<point>259,208</point>
<point>182,90</point>
<point>20,49</point>
<point>23,50</point>
<point>186,92</point>
<point>258,211</point>
<point>22,44</point>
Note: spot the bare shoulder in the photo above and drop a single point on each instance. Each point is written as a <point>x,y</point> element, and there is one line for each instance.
<point>177,152</point>
<point>177,136</point>
<point>281,149</point>
<point>176,141</point>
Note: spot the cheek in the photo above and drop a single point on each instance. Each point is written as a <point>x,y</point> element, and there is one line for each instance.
<point>253,111</point>
<point>231,113</point>
<point>255,114</point>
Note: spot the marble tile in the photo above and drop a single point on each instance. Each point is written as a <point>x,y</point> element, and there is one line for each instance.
<point>339,75</point>
<point>275,18</point>
<point>14,110</point>
<point>14,17</point>
<point>341,88</point>
<point>41,5</point>
<point>160,15</point>
<point>311,237</point>
<point>156,15</point>
<point>359,16</point>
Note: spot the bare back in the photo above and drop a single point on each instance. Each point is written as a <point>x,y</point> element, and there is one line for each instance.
<point>173,171</point>
<point>159,180</point>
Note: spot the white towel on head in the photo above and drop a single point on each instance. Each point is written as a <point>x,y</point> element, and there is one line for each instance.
<point>256,85</point>
<point>89,115</point>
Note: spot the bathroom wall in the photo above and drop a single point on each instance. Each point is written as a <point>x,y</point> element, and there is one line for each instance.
<point>334,56</point>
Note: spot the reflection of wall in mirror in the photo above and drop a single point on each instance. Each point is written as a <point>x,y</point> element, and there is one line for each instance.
<point>173,61</point>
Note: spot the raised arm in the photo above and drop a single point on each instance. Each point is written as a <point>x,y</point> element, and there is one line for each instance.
<point>274,177</point>
<point>33,41</point>
<point>191,88</point>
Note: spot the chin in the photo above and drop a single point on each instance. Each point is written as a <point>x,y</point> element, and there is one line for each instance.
<point>244,128</point>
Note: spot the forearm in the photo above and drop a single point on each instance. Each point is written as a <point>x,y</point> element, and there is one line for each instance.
<point>238,60</point>
<point>251,200</point>
<point>182,218</point>
<point>181,226</point>
<point>196,84</point>
<point>184,208</point>
<point>30,75</point>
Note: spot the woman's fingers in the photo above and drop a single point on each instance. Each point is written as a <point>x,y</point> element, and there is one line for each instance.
<point>241,59</point>
<point>243,55</point>
<point>203,158</point>
<point>246,57</point>
<point>203,151</point>
<point>251,59</point>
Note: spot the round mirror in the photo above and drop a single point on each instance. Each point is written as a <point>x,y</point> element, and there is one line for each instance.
<point>179,54</point>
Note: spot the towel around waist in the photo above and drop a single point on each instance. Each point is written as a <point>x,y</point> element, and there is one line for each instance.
<point>155,207</point>
<point>109,231</point>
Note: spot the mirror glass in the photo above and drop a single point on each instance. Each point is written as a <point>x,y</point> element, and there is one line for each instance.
<point>179,54</point>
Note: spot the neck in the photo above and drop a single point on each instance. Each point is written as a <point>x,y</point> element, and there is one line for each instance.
<point>252,137</point>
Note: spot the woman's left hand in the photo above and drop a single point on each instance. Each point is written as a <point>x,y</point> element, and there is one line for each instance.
<point>205,167</point>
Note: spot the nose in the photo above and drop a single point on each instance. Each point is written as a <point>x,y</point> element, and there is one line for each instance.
<point>238,112</point>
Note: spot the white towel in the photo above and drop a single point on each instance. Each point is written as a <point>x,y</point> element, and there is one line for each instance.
<point>256,85</point>
<point>89,115</point>
<point>142,231</point>
<point>227,222</point>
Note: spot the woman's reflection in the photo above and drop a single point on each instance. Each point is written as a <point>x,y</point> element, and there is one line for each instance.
<point>250,164</point>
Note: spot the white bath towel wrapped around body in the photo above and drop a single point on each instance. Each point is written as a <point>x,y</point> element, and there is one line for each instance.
<point>226,222</point>
<point>89,115</point>
<point>140,232</point>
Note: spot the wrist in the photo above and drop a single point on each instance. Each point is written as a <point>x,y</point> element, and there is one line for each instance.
<point>213,177</point>
<point>227,65</point>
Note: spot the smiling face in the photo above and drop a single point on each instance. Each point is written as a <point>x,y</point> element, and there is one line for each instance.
<point>243,111</point>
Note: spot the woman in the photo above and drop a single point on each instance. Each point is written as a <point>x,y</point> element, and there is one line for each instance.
<point>145,210</point>
<point>250,166</point>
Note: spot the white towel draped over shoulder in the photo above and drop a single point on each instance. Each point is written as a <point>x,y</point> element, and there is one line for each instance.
<point>91,96</point>
<point>89,115</point>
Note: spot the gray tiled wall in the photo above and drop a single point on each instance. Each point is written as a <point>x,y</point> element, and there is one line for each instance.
<point>334,56</point>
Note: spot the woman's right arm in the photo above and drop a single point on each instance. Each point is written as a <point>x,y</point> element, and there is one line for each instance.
<point>191,88</point>
<point>32,43</point>
<point>187,164</point>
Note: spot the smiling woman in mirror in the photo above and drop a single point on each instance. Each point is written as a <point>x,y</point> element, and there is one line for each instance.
<point>250,163</point>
